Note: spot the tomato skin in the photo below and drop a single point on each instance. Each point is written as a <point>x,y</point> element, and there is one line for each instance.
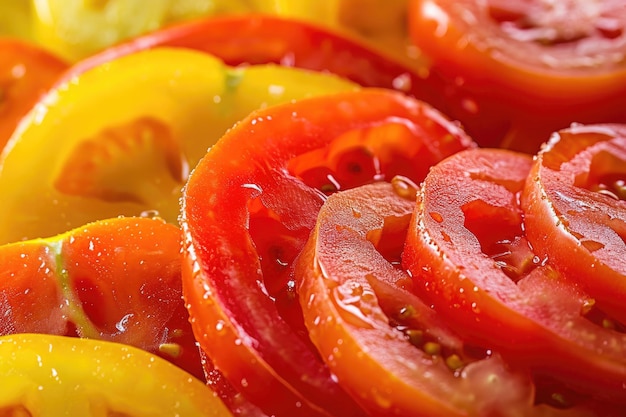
<point>511,89</point>
<point>26,72</point>
<point>116,280</point>
<point>62,376</point>
<point>573,217</point>
<point>341,274</point>
<point>236,323</point>
<point>467,216</point>
<point>262,39</point>
<point>171,104</point>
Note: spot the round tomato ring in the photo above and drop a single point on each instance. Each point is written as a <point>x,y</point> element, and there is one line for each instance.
<point>575,205</point>
<point>116,280</point>
<point>369,326</point>
<point>63,376</point>
<point>27,71</point>
<point>247,212</point>
<point>519,70</point>
<point>468,255</point>
<point>345,286</point>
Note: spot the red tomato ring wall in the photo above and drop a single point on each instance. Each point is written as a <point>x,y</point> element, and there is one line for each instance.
<point>517,71</point>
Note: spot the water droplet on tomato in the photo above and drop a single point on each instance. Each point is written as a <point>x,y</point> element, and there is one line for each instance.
<point>475,308</point>
<point>404,187</point>
<point>123,323</point>
<point>149,214</point>
<point>382,399</point>
<point>219,326</point>
<point>433,12</point>
<point>402,83</point>
<point>355,303</point>
<point>276,90</point>
<point>469,105</point>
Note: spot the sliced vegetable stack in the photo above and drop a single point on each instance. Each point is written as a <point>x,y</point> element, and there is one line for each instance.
<point>479,324</point>
<point>234,266</point>
<point>399,208</point>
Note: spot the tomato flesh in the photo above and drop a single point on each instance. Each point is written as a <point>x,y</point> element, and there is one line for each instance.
<point>263,39</point>
<point>518,71</point>
<point>116,280</point>
<point>577,211</point>
<point>132,157</point>
<point>26,72</point>
<point>225,282</point>
<point>468,215</point>
<point>345,287</point>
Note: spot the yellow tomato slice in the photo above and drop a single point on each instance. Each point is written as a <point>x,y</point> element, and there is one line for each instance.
<point>121,138</point>
<point>15,18</point>
<point>76,28</point>
<point>44,375</point>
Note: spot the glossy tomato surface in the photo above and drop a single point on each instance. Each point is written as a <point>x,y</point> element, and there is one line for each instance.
<point>77,29</point>
<point>131,155</point>
<point>575,203</point>
<point>248,209</point>
<point>115,280</point>
<point>262,39</point>
<point>468,253</point>
<point>46,375</point>
<point>27,71</point>
<point>519,70</point>
<point>368,326</point>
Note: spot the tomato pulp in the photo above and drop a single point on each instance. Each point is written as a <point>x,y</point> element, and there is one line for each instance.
<point>469,254</point>
<point>115,280</point>
<point>517,71</point>
<point>248,209</point>
<point>575,204</point>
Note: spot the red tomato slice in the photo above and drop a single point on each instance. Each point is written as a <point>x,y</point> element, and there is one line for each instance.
<point>519,70</point>
<point>368,326</point>
<point>237,280</point>
<point>26,73</point>
<point>575,208</point>
<point>468,254</point>
<point>263,39</point>
<point>115,280</point>
<point>341,275</point>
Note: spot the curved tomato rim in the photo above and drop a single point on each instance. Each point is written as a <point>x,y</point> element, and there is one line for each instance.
<point>222,282</point>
